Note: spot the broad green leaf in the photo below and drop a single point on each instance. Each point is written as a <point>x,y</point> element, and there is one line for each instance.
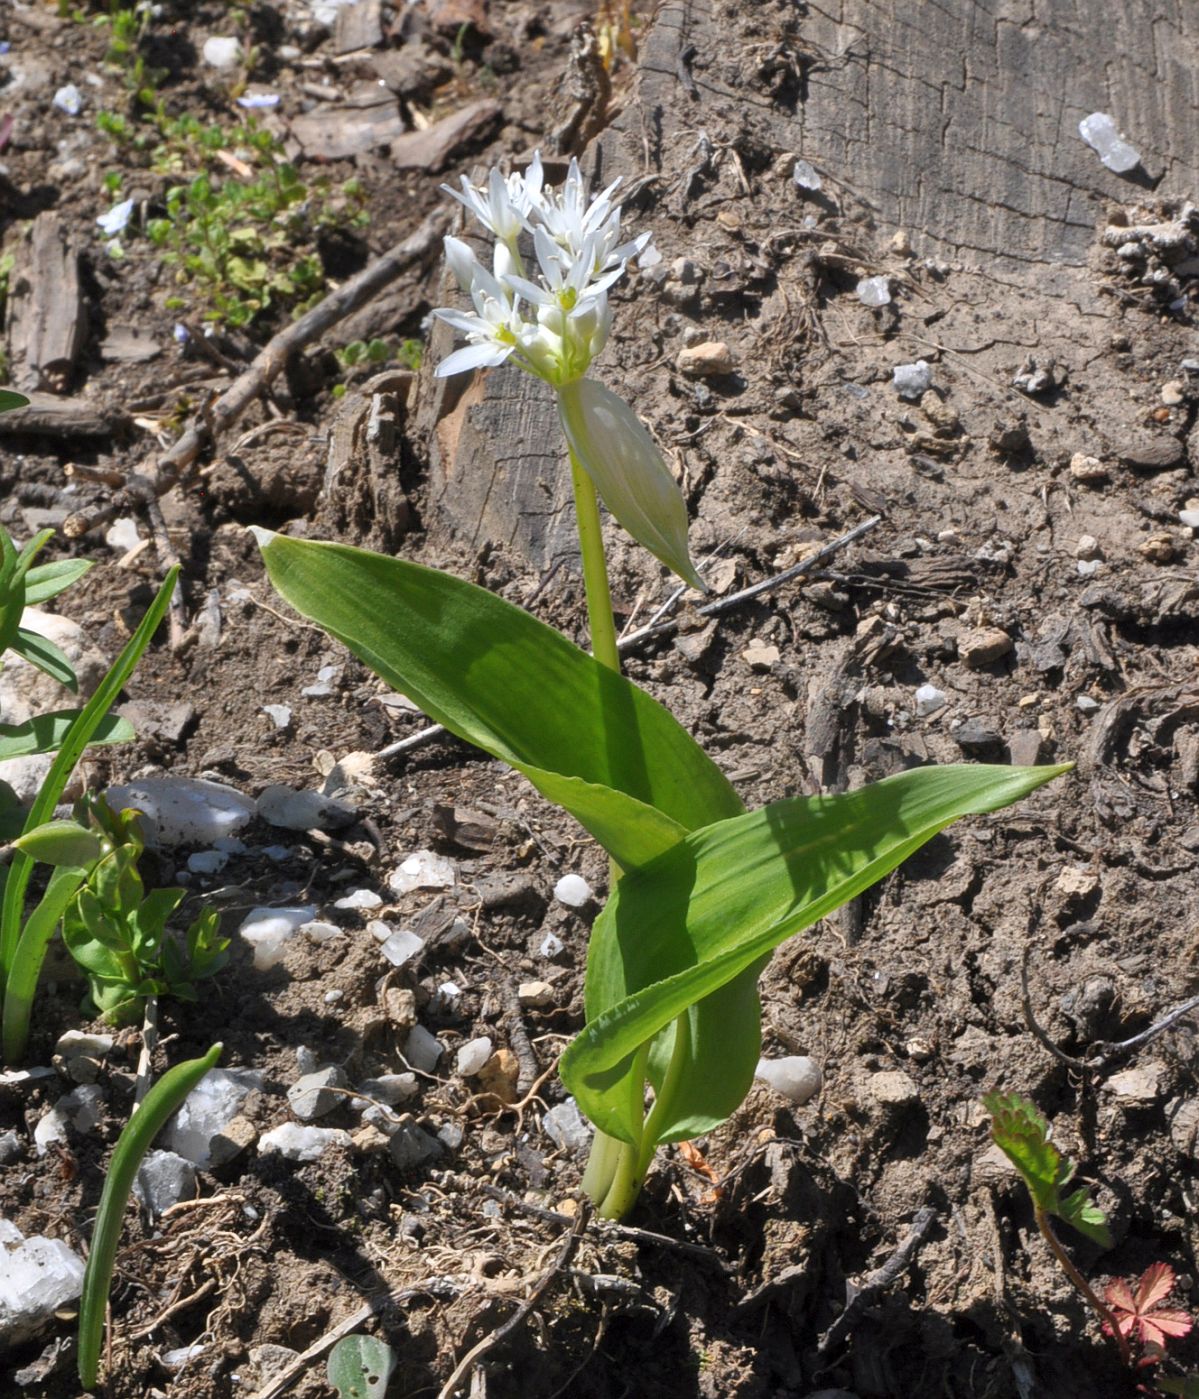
<point>721,899</point>
<point>494,675</point>
<point>46,732</point>
<point>49,579</point>
<point>43,653</point>
<point>613,447</point>
<point>360,1366</point>
<point>10,400</point>
<point>60,843</point>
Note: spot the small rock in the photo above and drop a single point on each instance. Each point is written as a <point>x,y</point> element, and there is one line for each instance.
<point>1173,392</point>
<point>1034,379</point>
<point>202,1130</point>
<point>1140,1086</point>
<point>267,930</point>
<point>278,714</point>
<point>893,1088</point>
<point>180,1356</point>
<point>184,810</point>
<point>423,870</point>
<point>163,1179</point>
<point>1100,133</point>
<point>795,1077</point>
<point>1183,1118</point>
<point>410,1146</point>
<point>79,1109</point>
<point>928,700</point>
<point>389,1089</point>
<point>805,176</point>
<point>223,54</point>
<point>25,690</point>
<point>551,946</point>
<point>324,683</point>
<point>564,1126</point>
<point>314,1095</point>
<point>535,993</point>
<point>572,890</point>
<point>912,381</point>
<point>271,1360</point>
<point>122,535</point>
<point>1087,547</point>
<point>1190,518</point>
<point>359,898</point>
<point>984,646</point>
<point>1087,704</point>
<point>977,740</point>
<point>1159,548</point>
<point>758,655</point>
<point>1075,883</point>
<point>303,811</point>
<point>296,1143</point>
<point>451,1136</point>
<point>422,1050</point>
<point>499,1075</point>
<point>207,861</point>
<point>37,1277</point>
<point>708,360</point>
<point>77,1042</point>
<point>370,1139</point>
<point>901,243</point>
<point>1088,471</point>
<point>874,291</point>
<point>399,945</point>
<point>11,1148</point>
<point>1087,568</point>
<point>1153,454</point>
<point>472,1056</point>
<point>399,1005</point>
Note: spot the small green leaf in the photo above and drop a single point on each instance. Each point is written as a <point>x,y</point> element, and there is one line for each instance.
<point>49,579</point>
<point>359,1367</point>
<point>39,651</point>
<point>60,843</point>
<point>1187,1386</point>
<point>10,400</point>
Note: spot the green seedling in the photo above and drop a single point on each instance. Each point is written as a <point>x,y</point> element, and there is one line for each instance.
<point>23,942</point>
<point>359,1367</point>
<point>118,933</point>
<point>1022,1134</point>
<point>372,353</point>
<point>703,891</point>
<point>163,1099</point>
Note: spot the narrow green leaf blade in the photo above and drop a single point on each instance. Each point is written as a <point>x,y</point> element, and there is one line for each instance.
<point>41,652</point>
<point>164,1098</point>
<point>722,898</point>
<point>514,687</point>
<point>10,400</point>
<point>45,732</point>
<point>49,579</point>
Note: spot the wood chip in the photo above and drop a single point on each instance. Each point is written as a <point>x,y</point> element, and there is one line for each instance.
<point>46,318</point>
<point>71,417</point>
<point>431,149</point>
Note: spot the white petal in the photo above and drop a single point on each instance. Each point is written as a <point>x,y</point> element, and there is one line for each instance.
<point>620,457</point>
<point>473,357</point>
<point>529,290</point>
<point>461,260</point>
<point>468,325</point>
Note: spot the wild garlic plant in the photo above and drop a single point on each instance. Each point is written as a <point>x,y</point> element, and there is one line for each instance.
<point>703,890</point>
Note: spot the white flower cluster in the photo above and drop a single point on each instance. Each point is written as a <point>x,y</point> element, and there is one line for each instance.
<point>553,324</point>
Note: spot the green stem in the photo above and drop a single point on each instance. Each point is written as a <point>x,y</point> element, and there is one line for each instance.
<point>1080,1283</point>
<point>595,569</point>
<point>680,1056</point>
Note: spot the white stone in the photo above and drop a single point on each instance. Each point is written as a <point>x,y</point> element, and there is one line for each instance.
<point>399,946</point>
<point>565,1127</point>
<point>195,1130</point>
<point>572,890</point>
<point>37,1277</point>
<point>278,714</point>
<point>76,1042</point>
<point>535,993</point>
<point>296,1143</point>
<point>389,1089</point>
<point>874,291</point>
<point>319,931</point>
<point>1190,518</point>
<point>422,1050</point>
<point>302,811</point>
<point>929,699</point>
<point>795,1077</point>
<point>182,1355</point>
<point>223,54</point>
<point>1087,704</point>
<point>805,176</point>
<point>1100,133</point>
<point>26,776</point>
<point>207,861</point>
<point>25,690</point>
<point>423,870</point>
<point>69,99</point>
<point>472,1056</point>
<point>267,929</point>
<point>323,686</point>
<point>184,810</point>
<point>551,946</point>
<point>359,898</point>
<point>912,380</point>
<point>79,1109</point>
<point>122,535</point>
<point>163,1179</point>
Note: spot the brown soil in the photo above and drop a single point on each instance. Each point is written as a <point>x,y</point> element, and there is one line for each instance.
<point>767,1224</point>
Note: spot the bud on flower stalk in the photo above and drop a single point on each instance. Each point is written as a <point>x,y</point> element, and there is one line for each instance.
<point>553,326</point>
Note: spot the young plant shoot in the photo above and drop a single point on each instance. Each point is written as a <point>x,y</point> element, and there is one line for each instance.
<point>702,890</point>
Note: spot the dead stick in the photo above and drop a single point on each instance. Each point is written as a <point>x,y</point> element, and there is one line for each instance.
<point>154,480</point>
<point>660,628</point>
